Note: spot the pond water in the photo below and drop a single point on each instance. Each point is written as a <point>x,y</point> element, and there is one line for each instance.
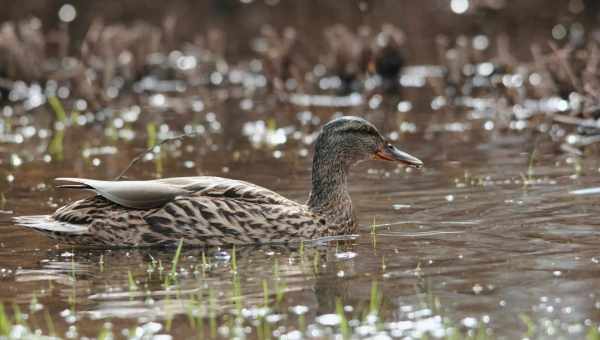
<point>487,240</point>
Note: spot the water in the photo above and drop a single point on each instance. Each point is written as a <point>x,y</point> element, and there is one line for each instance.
<point>486,238</point>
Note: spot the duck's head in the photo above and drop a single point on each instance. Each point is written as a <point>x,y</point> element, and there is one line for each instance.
<point>351,139</point>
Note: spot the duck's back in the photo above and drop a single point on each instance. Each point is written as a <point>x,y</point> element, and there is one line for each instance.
<point>200,210</point>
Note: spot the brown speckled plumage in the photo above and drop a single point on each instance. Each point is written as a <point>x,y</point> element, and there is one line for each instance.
<point>217,211</point>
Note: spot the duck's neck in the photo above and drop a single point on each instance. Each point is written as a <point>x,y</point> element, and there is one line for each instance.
<point>329,195</point>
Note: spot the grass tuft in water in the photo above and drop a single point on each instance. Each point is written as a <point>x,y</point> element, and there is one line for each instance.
<point>105,334</point>
<point>374,232</point>
<point>168,314</point>
<point>530,325</point>
<point>527,180</point>
<point>101,263</point>
<point>530,171</point>
<point>376,298</point>
<point>18,315</point>
<point>5,325</point>
<point>73,295</point>
<point>59,110</point>
<point>161,268</point>
<point>189,311</point>
<point>316,259</point>
<point>49,323</point>
<point>152,135</point>
<point>176,259</point>
<point>236,295</point>
<point>131,282</point>
<point>280,286</point>
<point>204,264</point>
<point>265,286</point>
<point>212,312</point>
<point>56,145</point>
<point>344,327</point>
<point>233,261</point>
<point>593,333</point>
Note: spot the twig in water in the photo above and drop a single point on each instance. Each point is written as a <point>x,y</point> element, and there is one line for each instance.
<point>562,58</point>
<point>583,122</point>
<point>148,150</point>
<point>570,149</point>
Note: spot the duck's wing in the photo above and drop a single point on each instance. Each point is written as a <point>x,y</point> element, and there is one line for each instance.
<point>156,193</point>
<point>219,187</point>
<point>130,194</point>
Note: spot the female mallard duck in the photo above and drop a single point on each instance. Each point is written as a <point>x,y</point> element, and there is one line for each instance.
<point>217,211</point>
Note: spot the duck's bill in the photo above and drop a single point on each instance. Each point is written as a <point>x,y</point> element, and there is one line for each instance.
<point>392,153</point>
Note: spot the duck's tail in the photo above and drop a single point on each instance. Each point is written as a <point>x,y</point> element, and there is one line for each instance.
<point>46,224</point>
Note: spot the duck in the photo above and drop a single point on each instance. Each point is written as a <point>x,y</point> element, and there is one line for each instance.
<point>215,211</point>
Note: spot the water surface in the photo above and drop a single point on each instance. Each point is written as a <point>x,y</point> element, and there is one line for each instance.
<point>487,238</point>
